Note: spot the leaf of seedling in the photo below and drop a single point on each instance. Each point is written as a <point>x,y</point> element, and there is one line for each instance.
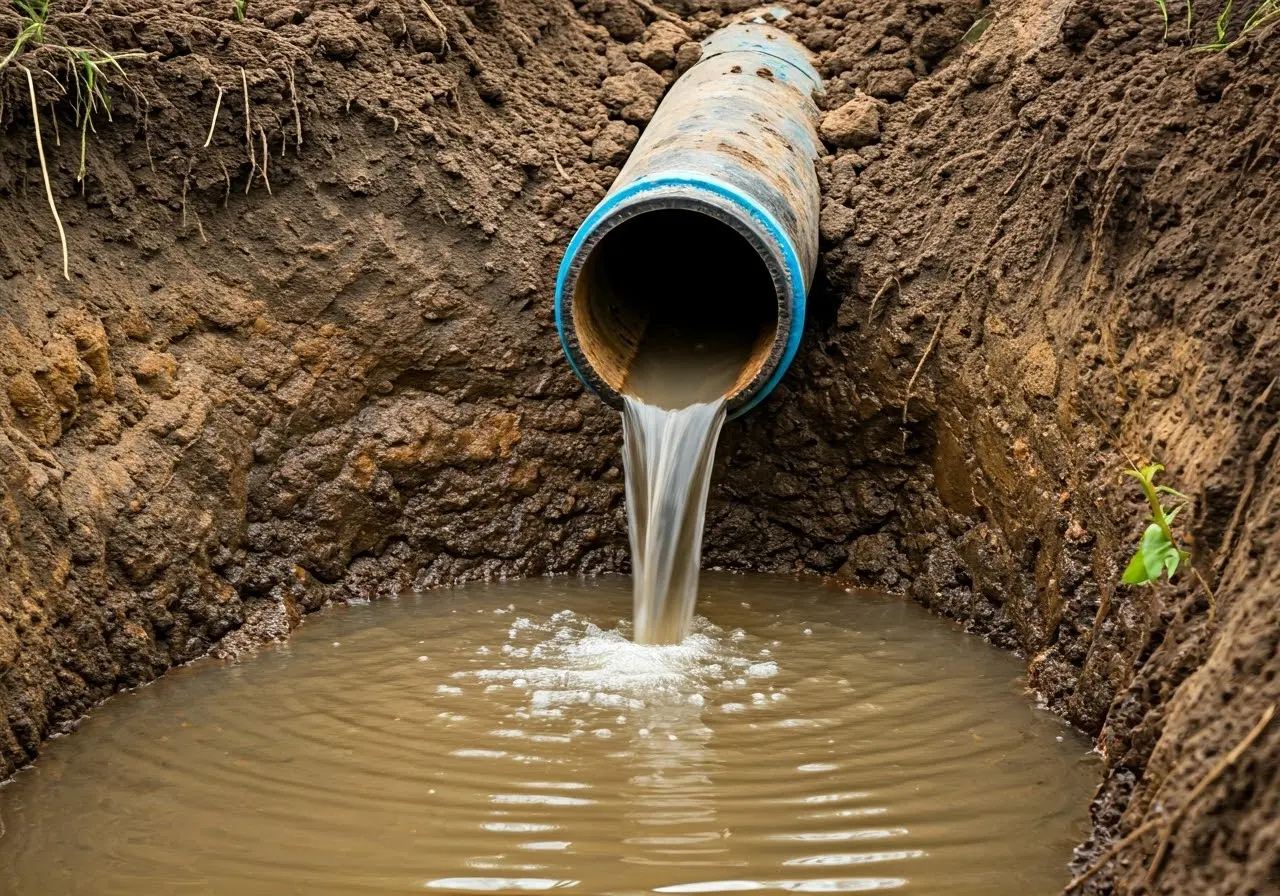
<point>1224,21</point>
<point>1156,555</point>
<point>1146,474</point>
<point>1136,572</point>
<point>1164,12</point>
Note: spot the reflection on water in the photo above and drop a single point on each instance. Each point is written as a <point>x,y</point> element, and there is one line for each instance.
<point>512,738</point>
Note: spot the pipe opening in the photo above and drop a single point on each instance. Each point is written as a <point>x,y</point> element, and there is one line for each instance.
<point>675,307</point>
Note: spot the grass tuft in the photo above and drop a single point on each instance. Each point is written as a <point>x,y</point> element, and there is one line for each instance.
<point>1261,14</point>
<point>89,66</point>
<point>91,94</point>
<point>1265,13</point>
<point>35,14</point>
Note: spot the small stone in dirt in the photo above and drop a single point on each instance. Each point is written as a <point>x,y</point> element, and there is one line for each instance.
<point>613,143</point>
<point>531,158</point>
<point>622,20</point>
<point>855,124</point>
<point>634,95</point>
<point>890,85</point>
<point>687,56</point>
<point>661,40</point>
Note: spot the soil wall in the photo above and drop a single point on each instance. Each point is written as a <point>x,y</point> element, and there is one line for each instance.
<point>306,352</point>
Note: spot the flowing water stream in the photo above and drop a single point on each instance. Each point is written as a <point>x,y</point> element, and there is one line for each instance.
<point>512,738</point>
<point>667,456</point>
<point>671,419</point>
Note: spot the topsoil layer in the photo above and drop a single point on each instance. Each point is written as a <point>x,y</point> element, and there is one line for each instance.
<point>306,352</point>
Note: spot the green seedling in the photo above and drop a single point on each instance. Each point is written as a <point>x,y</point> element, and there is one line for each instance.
<point>1263,14</point>
<point>91,94</point>
<point>1223,23</point>
<point>238,9</point>
<point>1158,553</point>
<point>1163,6</point>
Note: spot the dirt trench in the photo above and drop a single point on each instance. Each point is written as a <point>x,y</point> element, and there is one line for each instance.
<point>306,352</point>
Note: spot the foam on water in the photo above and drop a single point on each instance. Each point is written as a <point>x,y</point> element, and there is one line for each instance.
<point>573,662</point>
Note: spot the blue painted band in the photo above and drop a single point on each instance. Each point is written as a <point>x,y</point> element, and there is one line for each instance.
<point>795,273</point>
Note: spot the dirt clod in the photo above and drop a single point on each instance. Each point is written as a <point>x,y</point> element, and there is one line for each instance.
<point>854,124</point>
<point>613,143</point>
<point>634,96</point>
<point>890,85</point>
<point>662,41</point>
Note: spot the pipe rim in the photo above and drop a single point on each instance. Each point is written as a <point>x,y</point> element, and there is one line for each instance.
<point>724,204</point>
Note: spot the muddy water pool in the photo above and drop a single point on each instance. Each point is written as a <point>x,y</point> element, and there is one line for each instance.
<point>509,738</point>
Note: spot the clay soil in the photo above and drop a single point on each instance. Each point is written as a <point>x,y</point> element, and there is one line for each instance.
<point>306,352</point>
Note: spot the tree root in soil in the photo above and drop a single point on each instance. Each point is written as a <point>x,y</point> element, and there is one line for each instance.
<point>44,171</point>
<point>1170,824</point>
<point>248,132</point>
<point>217,107</point>
<point>928,349</point>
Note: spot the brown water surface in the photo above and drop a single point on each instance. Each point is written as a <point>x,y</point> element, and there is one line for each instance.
<point>510,738</point>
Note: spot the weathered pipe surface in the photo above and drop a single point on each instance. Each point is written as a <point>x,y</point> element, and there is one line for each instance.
<point>732,146</point>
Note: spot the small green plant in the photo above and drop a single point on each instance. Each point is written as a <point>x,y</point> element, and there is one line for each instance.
<point>35,14</point>
<point>1223,23</point>
<point>238,9</point>
<point>89,66</point>
<point>91,94</point>
<point>1264,13</point>
<point>1163,6</point>
<point>1158,553</point>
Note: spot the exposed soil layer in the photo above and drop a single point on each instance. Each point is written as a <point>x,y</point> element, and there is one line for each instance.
<point>307,351</point>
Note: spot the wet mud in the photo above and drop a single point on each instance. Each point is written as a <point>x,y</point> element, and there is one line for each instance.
<point>306,353</point>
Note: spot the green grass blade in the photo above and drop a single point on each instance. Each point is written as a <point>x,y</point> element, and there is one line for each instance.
<point>1224,22</point>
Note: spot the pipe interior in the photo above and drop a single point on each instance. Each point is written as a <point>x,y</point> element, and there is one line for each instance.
<point>675,307</point>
